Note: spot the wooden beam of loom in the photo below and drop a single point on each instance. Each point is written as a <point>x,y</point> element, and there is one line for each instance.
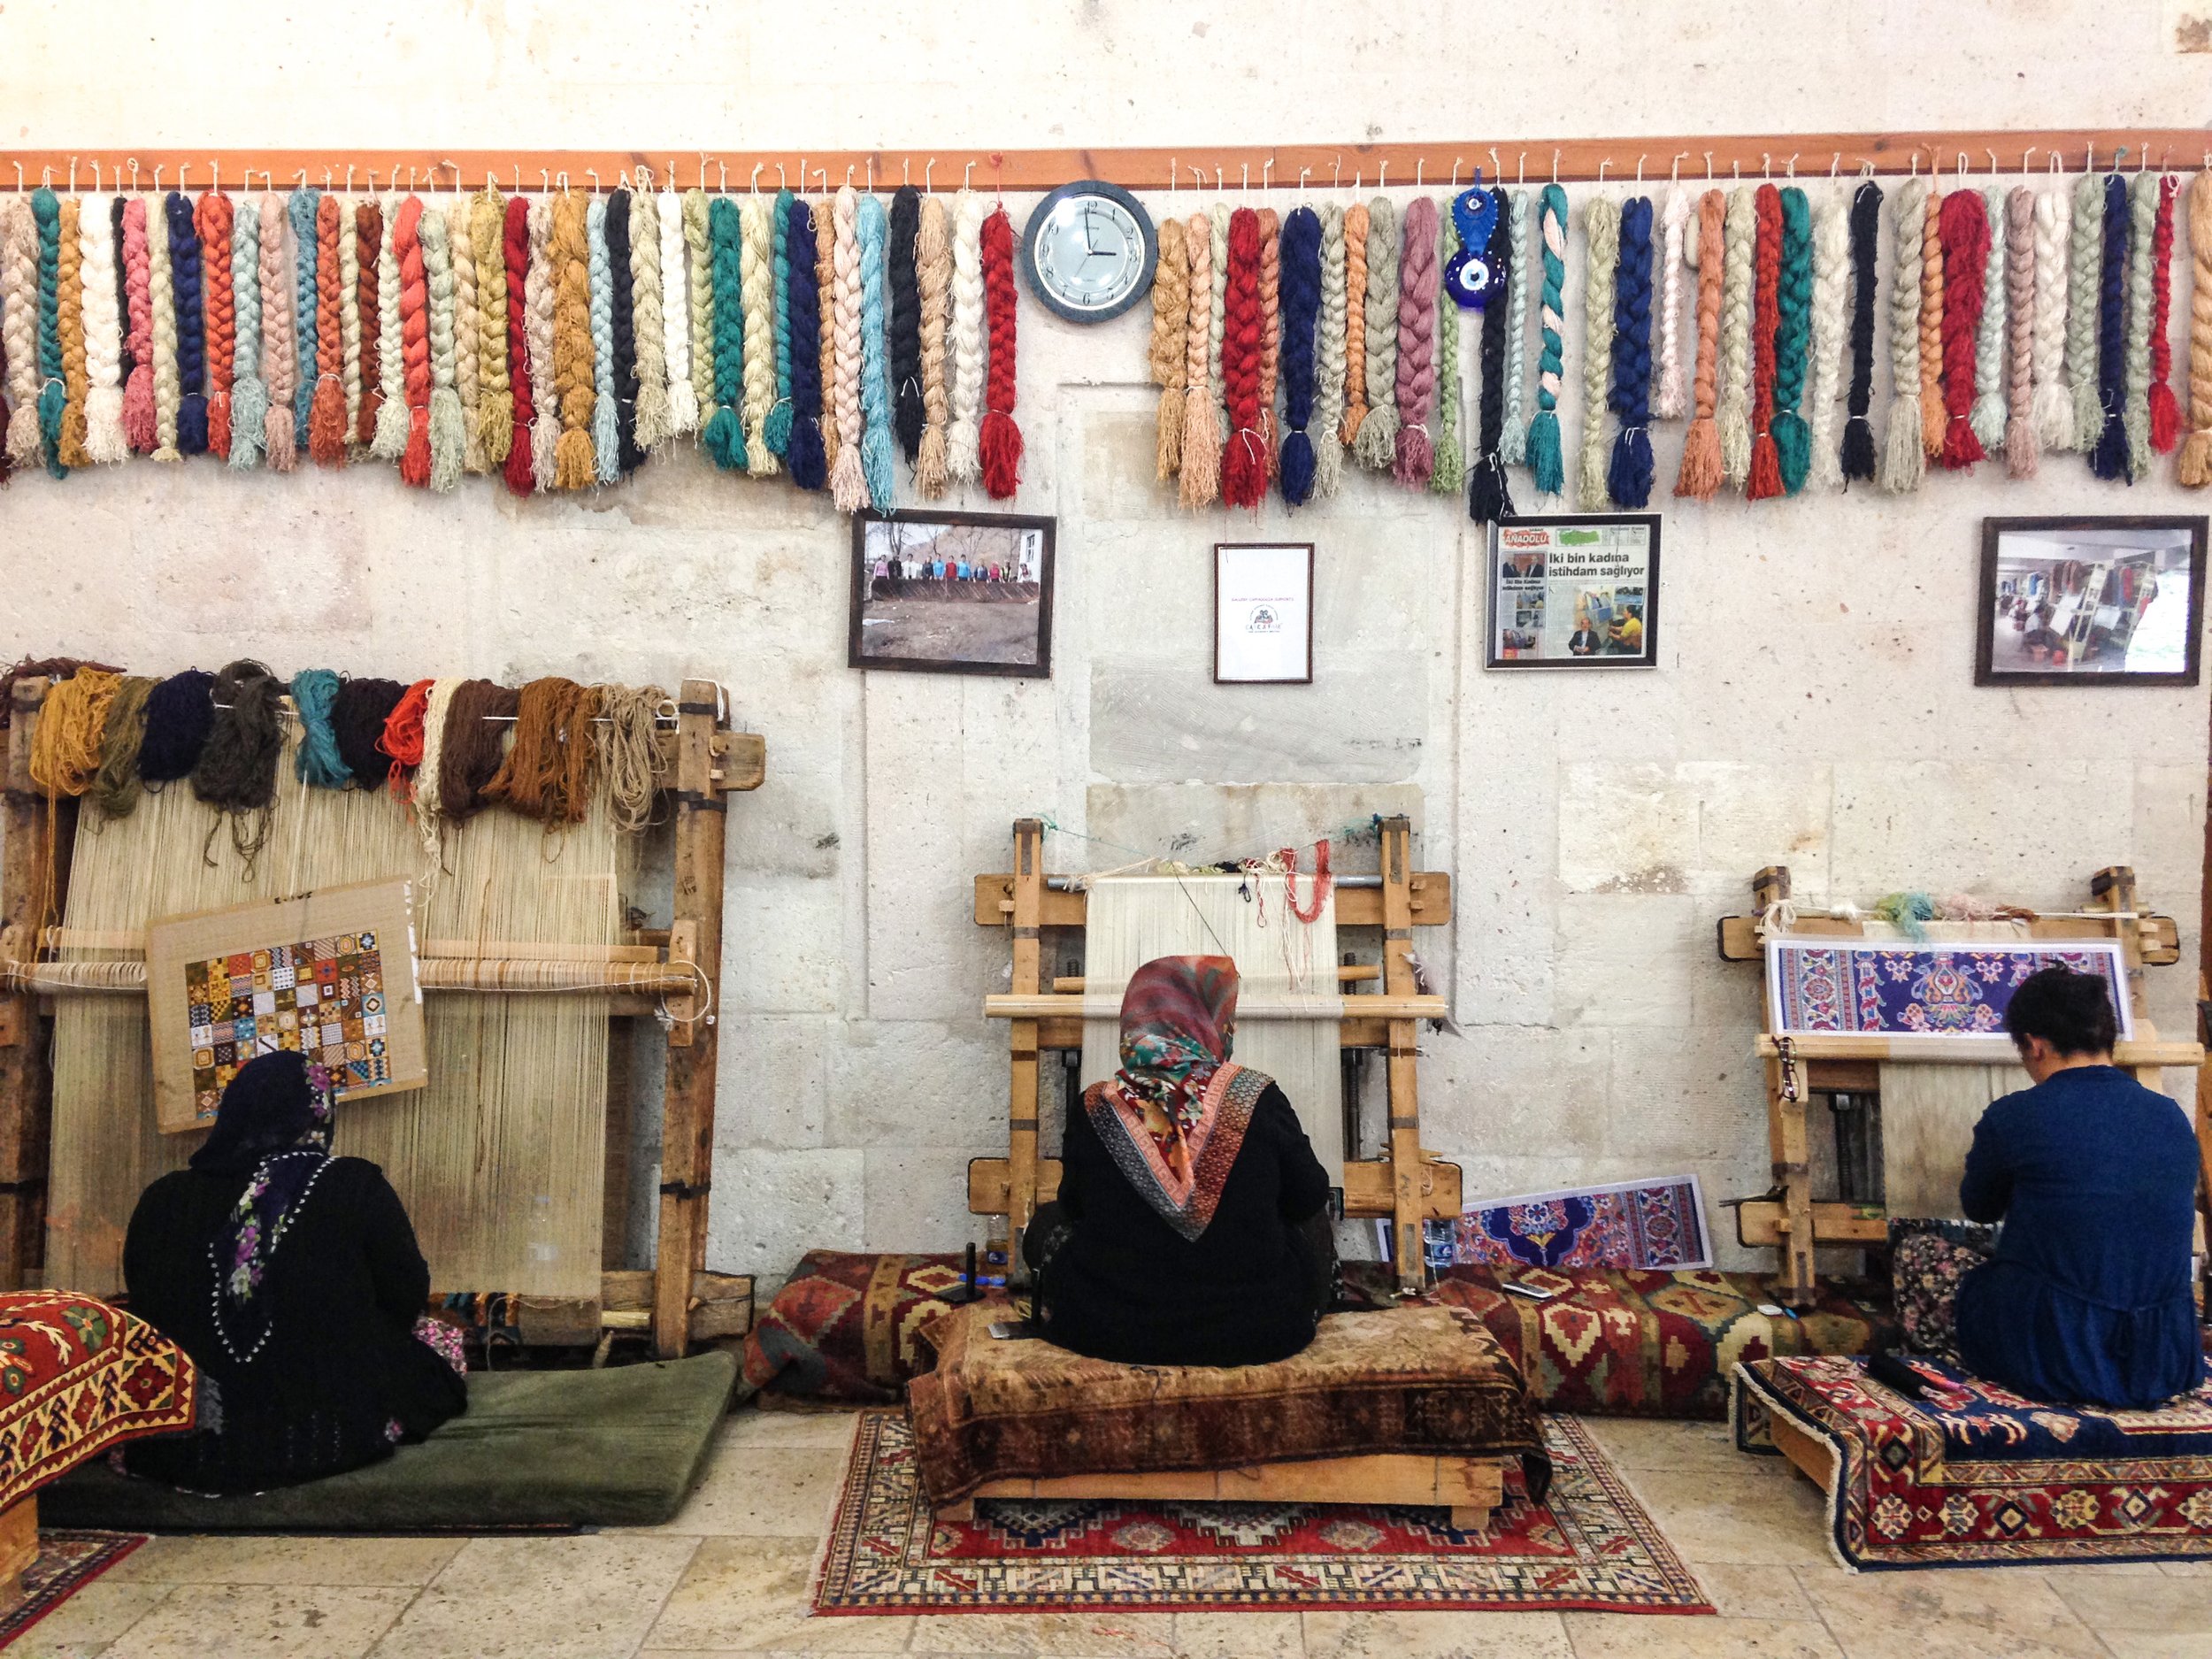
<point>1430,892</point>
<point>1369,1187</point>
<point>1190,169</point>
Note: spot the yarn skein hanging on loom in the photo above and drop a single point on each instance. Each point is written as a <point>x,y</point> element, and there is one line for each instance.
<point>1764,480</point>
<point>1739,279</point>
<point>300,209</point>
<point>1354,406</point>
<point>722,429</point>
<point>539,302</point>
<point>161,282</point>
<point>810,467</point>
<point>606,420</point>
<point>186,292</point>
<point>675,269</point>
<point>317,762</point>
<point>1331,320</point>
<point>327,399</point>
<point>387,440</point>
<point>214,217</point>
<point>849,483</point>
<point>1270,330</point>
<point>1171,304</point>
<point>1669,398</point>
<point>1628,479</point>
<point>1415,459</point>
<point>179,713</point>
<point>1200,472</point>
<point>1243,460</point>
<point>1701,474</point>
<point>965,362</point>
<point>358,713</point>
<point>1831,301</point>
<point>414,315</point>
<point>401,742</point>
<point>520,469</point>
<point>1858,456</point>
<point>237,769</point>
<point>548,772</point>
<point>71,329</point>
<point>46,214</point>
<point>117,786</point>
<point>478,719</point>
<point>1520,380</point>
<point>2165,414</point>
<point>1448,477</point>
<point>2053,402</point>
<point>1935,417</point>
<point>1994,326</point>
<point>651,427</point>
<point>103,332</point>
<point>628,454</point>
<point>756,227</point>
<point>65,750</point>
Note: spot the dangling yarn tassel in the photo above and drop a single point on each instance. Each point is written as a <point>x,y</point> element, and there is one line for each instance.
<point>305,204</point>
<point>722,433</point>
<point>1243,462</point>
<point>902,282</point>
<point>1002,439</point>
<point>188,292</point>
<point>810,467</point>
<point>933,269</point>
<point>1602,231</point>
<point>2021,444</point>
<point>1858,430</point>
<point>1994,327</point>
<point>326,409</point>
<point>1701,474</point>
<point>963,457</point>
<point>1965,233</point>
<point>280,361</point>
<point>1171,309</point>
<point>699,303</point>
<point>574,465</point>
<point>1331,366</point>
<point>1904,460</point>
<point>1628,479</point>
<point>629,455</point>
<point>1793,331</point>
<point>1202,438</point>
<point>498,292</point>
<point>1450,476</point>
<point>1271,329</point>
<point>2194,468</point>
<point>651,327</point>
<point>756,226</point>
<point>2053,398</point>
<point>1831,282</point>
<point>1376,443</point>
<point>70,327</point>
<point>1301,311</point>
<point>387,441</point>
<point>520,469</point>
<point>1513,443</point>
<point>2110,458</point>
<point>448,428</point>
<point>1415,388</point>
<point>777,429</point>
<point>1739,279</point>
<point>103,330</point>
<point>1545,462</point>
<point>878,456</point>
<point>540,292</point>
<point>249,396</point>
<point>1489,496</point>
<point>606,418</point>
<point>676,332</point>
<point>849,480</point>
<point>2165,414</point>
<point>1764,481</point>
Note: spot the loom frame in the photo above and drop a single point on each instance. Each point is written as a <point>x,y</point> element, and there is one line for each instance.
<point>1410,1186</point>
<point>675,1301</point>
<point>1786,1217</point>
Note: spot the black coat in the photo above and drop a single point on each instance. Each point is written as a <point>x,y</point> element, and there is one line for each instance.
<point>1127,1287</point>
<point>342,1293</point>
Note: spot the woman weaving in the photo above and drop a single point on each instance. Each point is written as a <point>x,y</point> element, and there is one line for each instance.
<point>1192,1227</point>
<point>293,1281</point>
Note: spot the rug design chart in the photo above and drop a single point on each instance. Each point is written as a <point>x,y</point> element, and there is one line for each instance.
<point>1885,989</point>
<point>1656,1225</point>
<point>323,997</point>
<point>1590,1546</point>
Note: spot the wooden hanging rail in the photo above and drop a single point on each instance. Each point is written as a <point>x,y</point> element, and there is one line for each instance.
<point>1195,166</point>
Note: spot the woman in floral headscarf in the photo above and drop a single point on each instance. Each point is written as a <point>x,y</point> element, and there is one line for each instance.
<point>293,1279</point>
<point>1192,1227</point>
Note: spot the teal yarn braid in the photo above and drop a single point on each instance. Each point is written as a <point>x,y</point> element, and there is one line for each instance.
<point>52,396</point>
<point>777,430</point>
<point>300,207</point>
<point>1544,459</point>
<point>724,433</point>
<point>876,455</point>
<point>319,763</point>
<point>606,434</point>
<point>1792,335</point>
<point>248,395</point>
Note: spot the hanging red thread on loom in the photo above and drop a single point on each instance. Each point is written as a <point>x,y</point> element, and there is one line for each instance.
<point>1321,882</point>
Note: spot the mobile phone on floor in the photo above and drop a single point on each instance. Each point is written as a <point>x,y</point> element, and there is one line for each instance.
<point>1013,1330</point>
<point>1534,1293</point>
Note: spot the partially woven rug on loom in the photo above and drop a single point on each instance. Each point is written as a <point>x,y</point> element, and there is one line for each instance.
<point>1656,1225</point>
<point>1589,1545</point>
<point>67,1561</point>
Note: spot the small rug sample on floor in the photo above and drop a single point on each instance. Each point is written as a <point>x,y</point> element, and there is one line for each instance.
<point>1589,1545</point>
<point>67,1561</point>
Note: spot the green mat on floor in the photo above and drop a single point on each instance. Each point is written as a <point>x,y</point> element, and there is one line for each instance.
<point>544,1449</point>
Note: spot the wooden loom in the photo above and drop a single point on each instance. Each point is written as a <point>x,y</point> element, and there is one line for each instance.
<point>680,969</point>
<point>1410,1187</point>
<point>1787,1216</point>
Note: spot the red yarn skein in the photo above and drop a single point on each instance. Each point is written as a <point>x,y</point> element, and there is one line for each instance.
<point>405,732</point>
<point>414,339</point>
<point>1766,317</point>
<point>1964,228</point>
<point>1243,460</point>
<point>2165,412</point>
<point>1000,440</point>
<point>520,472</point>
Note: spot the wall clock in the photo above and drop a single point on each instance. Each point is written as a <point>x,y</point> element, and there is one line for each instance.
<point>1088,251</point>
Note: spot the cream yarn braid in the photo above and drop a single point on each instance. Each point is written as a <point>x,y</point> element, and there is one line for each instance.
<point>2021,445</point>
<point>1832,305</point>
<point>699,303</point>
<point>1733,414</point>
<point>1670,398</point>
<point>962,461</point>
<point>537,326</point>
<point>103,337</point>
<point>1201,420</point>
<point>1519,277</point>
<point>683,398</point>
<point>606,441</point>
<point>825,342</point>
<point>2053,404</point>
<point>1994,329</point>
<point>847,481</point>
<point>1450,474</point>
<point>1602,231</point>
<point>2087,254</point>
<point>1904,457</point>
<point>495,397</point>
<point>448,440</point>
<point>389,441</point>
<point>349,316</point>
<point>467,332</point>
<point>2143,218</point>
<point>758,267</point>
<point>1170,305</point>
<point>932,275</point>
<point>1376,443</point>
<point>648,332</point>
<point>1218,319</point>
<point>169,392</point>
<point>1328,357</point>
<point>18,317</point>
<point>2193,468</point>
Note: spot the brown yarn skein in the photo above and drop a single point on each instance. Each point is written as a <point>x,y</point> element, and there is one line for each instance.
<point>548,771</point>
<point>479,717</point>
<point>237,770</point>
<point>356,721</point>
<point>116,786</point>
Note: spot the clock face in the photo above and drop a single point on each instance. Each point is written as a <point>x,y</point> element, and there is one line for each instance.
<point>1089,250</point>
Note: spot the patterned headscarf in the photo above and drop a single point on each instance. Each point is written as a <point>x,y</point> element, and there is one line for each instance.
<point>276,1121</point>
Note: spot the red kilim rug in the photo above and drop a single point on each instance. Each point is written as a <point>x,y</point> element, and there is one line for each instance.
<point>1589,1545</point>
<point>67,1561</point>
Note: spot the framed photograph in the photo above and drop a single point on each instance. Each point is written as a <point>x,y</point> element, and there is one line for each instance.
<point>952,592</point>
<point>1574,591</point>
<point>1263,613</point>
<point>2106,601</point>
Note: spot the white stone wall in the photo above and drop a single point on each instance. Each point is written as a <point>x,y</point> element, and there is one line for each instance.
<point>1815,704</point>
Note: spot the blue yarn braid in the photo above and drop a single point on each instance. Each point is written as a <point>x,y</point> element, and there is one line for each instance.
<point>724,434</point>
<point>184,276</point>
<point>300,208</point>
<point>875,391</point>
<point>1301,297</point>
<point>810,467</point>
<point>778,429</point>
<point>1543,429</point>
<point>319,763</point>
<point>52,396</point>
<point>606,434</point>
<point>1792,334</point>
<point>1628,480</point>
<point>2110,458</point>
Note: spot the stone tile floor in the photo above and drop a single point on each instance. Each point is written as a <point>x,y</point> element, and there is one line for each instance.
<point>729,1576</point>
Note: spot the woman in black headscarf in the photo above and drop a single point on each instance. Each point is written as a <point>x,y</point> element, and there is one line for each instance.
<point>293,1279</point>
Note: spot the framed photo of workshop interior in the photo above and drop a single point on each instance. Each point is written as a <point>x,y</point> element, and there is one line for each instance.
<point>952,592</point>
<point>1574,591</point>
<point>1263,613</point>
<point>2091,601</point>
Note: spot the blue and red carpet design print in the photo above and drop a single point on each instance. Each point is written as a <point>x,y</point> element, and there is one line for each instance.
<point>1886,988</point>
<point>1657,1224</point>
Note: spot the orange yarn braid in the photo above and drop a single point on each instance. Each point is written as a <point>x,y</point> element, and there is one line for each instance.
<point>1355,320</point>
<point>212,217</point>
<point>414,340</point>
<point>1934,418</point>
<point>326,416</point>
<point>1270,328</point>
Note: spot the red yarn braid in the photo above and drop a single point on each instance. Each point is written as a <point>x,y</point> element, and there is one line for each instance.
<point>520,473</point>
<point>1964,228</point>
<point>327,415</point>
<point>414,339</point>
<point>2165,413</point>
<point>368,240</point>
<point>1000,440</point>
<point>1243,459</point>
<point>212,217</point>
<point>1766,317</point>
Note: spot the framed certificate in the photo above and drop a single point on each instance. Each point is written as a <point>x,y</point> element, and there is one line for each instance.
<point>1263,613</point>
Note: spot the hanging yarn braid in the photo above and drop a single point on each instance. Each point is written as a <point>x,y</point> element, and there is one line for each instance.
<point>1201,437</point>
<point>963,459</point>
<point>1764,481</point>
<point>18,318</point>
<point>249,396</point>
<point>548,772</point>
<point>1000,440</point>
<point>1832,280</point>
<point>932,261</point>
<point>73,720</point>
<point>2141,308</point>
<point>1376,443</point>
<point>2165,414</point>
<point>349,317</point>
<point>46,215</point>
<point>237,769</point>
<point>104,330</point>
<point>69,275</point>
<point>358,714</point>
<point>138,386</point>
<point>1450,476</point>
<point>756,227</point>
<point>676,327</point>
<point>777,429</point>
<point>1699,477</point>
<point>904,279</point>
<point>2053,398</point>
<point>808,464</point>
<point>1216,320</point>
<point>1301,263</point>
<point>1513,446</point>
<point>695,222</point>
<point>722,430</point>
<point>652,329</point>
<point>1416,390</point>
<point>1741,230</point>
<point>448,427</point>
<point>1271,329</point>
<point>1904,455</point>
<point>414,314</point>
<point>1628,479</point>
<point>1171,304</point>
<point>1995,328</point>
<point>389,440</point>
<point>1858,430</point>
<point>326,408</point>
<point>1601,235</point>
<point>878,456</point>
<point>848,481</point>
<point>2194,468</point>
<point>301,209</point>
<point>179,713</point>
<point>629,454</point>
<point>1243,461</point>
<point>467,331</point>
<point>2110,458</point>
<point>1792,334</point>
<point>1331,371</point>
<point>1964,228</point>
<point>188,294</point>
<point>116,786</point>
<point>472,746</point>
<point>606,418</point>
<point>1545,464</point>
<point>1667,401</point>
<point>122,301</point>
<point>161,294</point>
<point>1489,496</point>
<point>574,465</point>
<point>317,762</point>
<point>280,363</point>
<point>540,298</point>
<point>1935,417</point>
<point>522,412</point>
<point>2084,288</point>
<point>2021,443</point>
<point>1356,250</point>
<point>497,289</point>
<point>401,741</point>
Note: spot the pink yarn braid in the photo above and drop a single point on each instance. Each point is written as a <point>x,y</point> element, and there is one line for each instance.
<point>138,394</point>
<point>1416,385</point>
<point>279,371</point>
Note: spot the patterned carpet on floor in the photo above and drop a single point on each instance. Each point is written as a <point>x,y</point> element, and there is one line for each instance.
<point>67,1561</point>
<point>1589,1545</point>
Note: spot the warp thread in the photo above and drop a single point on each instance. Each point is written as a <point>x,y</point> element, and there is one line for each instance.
<point>2108,459</point>
<point>756,224</point>
<point>1792,333</point>
<point>1171,304</point>
<point>932,264</point>
<point>2021,443</point>
<point>1832,284</point>
<point>1764,481</point>
<point>1965,226</point>
<point>1602,234</point>
<point>1301,309</point>
<point>849,479</point>
<point>1543,447</point>
<point>548,771</point>
<point>1904,455</point>
<point>1329,363</point>
<point>1858,430</point>
<point>1701,474</point>
<point>1243,459</point>
<point>180,713</point>
<point>1489,494</point>
<point>1200,472</point>
<point>1375,445</point>
<point>1628,478</point>
<point>810,468</point>
<point>318,762</point>
<point>358,715</point>
<point>963,453</point>
<point>903,276</point>
<point>722,431</point>
<point>1000,439</point>
<point>2193,469</point>
<point>1739,247</point>
<point>878,453</point>
<point>1419,276</point>
<point>1994,327</point>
